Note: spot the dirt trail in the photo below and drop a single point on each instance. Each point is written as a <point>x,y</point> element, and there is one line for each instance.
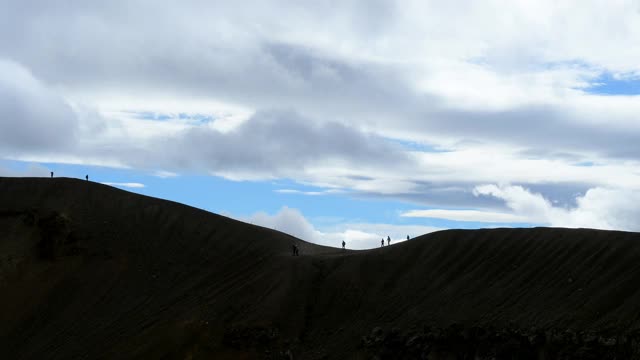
<point>90,271</point>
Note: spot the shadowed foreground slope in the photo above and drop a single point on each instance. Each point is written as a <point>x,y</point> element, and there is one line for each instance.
<point>90,271</point>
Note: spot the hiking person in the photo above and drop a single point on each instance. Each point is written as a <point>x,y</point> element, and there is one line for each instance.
<point>382,242</point>
<point>407,237</point>
<point>343,244</point>
<point>52,174</point>
<point>388,240</point>
<point>86,177</point>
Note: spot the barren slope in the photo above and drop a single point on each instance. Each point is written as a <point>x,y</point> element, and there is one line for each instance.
<point>91,271</point>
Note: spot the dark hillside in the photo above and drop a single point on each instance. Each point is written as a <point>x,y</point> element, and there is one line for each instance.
<point>90,271</point>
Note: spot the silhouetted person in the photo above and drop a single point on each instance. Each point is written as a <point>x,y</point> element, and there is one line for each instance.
<point>86,177</point>
<point>343,244</point>
<point>382,242</point>
<point>388,240</point>
<point>407,237</point>
<point>52,174</point>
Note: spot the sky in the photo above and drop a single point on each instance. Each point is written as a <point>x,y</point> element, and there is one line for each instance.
<point>335,120</point>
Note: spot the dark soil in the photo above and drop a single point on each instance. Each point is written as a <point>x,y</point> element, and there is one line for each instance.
<point>90,271</point>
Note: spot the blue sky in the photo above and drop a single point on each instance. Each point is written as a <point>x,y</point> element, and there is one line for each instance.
<point>333,121</point>
<point>610,84</point>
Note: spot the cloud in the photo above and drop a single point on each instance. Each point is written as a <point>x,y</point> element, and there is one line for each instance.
<point>287,220</point>
<point>273,143</point>
<point>132,185</point>
<point>599,208</point>
<point>323,93</point>
<point>33,118</point>
<point>576,126</point>
<point>164,174</point>
<point>437,91</point>
<point>309,193</point>
<point>356,235</point>
<point>466,215</point>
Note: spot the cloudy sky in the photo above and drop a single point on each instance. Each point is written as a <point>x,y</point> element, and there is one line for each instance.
<point>335,120</point>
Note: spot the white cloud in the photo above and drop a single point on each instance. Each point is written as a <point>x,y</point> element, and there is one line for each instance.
<point>599,208</point>
<point>356,235</point>
<point>466,215</point>
<point>309,193</point>
<point>287,220</point>
<point>487,163</point>
<point>520,200</point>
<point>164,174</point>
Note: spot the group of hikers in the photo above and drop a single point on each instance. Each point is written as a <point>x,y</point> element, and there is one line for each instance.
<point>296,251</point>
<point>388,241</point>
<point>86,176</point>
